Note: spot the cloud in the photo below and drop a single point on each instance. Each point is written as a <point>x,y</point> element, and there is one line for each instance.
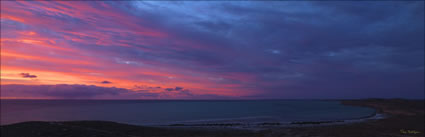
<point>220,51</point>
<point>106,82</point>
<point>169,89</point>
<point>174,89</point>
<point>178,88</point>
<point>27,75</point>
<point>273,51</point>
<point>186,93</point>
<point>139,87</point>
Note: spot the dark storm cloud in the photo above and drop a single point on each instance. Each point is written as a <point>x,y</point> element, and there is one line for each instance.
<point>290,47</point>
<point>28,75</point>
<point>353,52</point>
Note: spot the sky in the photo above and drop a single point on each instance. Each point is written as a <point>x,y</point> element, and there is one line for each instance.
<point>212,49</point>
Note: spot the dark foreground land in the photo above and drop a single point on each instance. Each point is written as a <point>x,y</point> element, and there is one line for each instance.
<point>405,119</point>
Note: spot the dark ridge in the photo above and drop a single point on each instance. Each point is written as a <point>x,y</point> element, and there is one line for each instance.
<point>109,129</point>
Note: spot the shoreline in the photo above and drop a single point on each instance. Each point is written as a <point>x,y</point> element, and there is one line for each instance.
<point>255,126</point>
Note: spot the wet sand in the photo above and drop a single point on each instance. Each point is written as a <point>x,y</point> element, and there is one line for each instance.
<point>403,118</point>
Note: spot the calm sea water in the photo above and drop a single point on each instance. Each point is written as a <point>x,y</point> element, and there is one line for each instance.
<point>147,112</point>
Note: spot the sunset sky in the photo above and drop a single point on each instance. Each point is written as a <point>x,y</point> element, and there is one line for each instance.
<point>211,50</point>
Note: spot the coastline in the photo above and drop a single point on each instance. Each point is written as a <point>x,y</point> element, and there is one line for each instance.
<point>256,126</point>
<point>402,118</point>
<point>243,123</point>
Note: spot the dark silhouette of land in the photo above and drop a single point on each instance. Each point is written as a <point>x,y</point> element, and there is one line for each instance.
<point>405,118</point>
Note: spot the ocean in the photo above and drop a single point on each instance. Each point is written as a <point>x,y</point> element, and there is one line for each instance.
<point>163,112</point>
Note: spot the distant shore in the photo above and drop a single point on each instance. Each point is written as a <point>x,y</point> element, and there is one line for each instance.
<point>402,118</point>
<point>268,125</point>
